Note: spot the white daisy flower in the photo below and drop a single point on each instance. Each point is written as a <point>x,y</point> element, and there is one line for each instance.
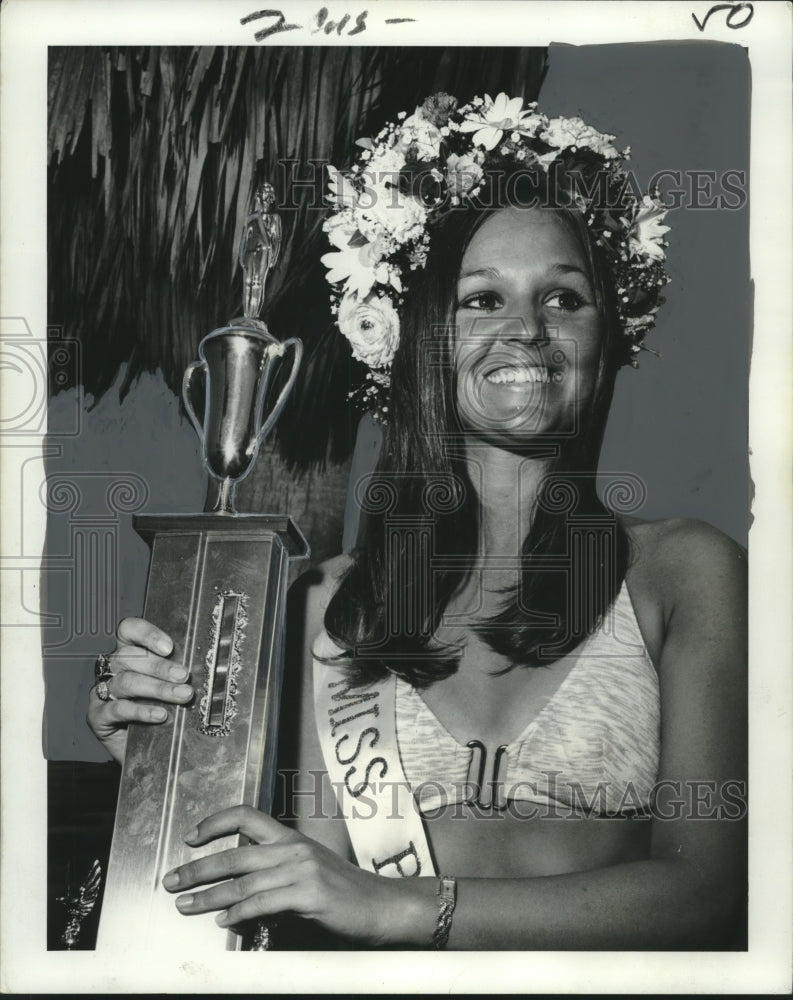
<point>357,268</point>
<point>494,119</point>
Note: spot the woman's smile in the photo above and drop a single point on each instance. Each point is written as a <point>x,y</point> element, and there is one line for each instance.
<point>514,375</point>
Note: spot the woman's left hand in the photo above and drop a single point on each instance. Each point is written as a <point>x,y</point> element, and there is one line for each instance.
<point>283,871</point>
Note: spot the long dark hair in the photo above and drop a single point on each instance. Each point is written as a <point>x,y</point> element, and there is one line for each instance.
<point>421,510</point>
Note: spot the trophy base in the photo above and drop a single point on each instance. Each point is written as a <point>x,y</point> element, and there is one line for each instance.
<point>217,586</point>
<point>292,538</point>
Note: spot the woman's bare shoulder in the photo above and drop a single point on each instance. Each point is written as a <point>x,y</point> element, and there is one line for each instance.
<point>680,541</point>
<point>683,557</point>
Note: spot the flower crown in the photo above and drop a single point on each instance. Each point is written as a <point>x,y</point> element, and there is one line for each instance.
<point>427,164</point>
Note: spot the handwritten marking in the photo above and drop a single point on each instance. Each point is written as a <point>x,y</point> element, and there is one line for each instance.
<point>320,21</point>
<point>280,24</point>
<point>733,8</point>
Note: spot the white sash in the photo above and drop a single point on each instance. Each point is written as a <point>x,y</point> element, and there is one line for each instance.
<point>357,733</point>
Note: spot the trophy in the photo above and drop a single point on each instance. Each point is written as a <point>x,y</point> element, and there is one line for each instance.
<point>237,361</point>
<point>217,586</point>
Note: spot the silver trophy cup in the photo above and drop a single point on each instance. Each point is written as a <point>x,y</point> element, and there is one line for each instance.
<point>238,362</point>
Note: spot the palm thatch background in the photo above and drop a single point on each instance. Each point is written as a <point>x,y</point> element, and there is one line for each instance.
<point>153,157</point>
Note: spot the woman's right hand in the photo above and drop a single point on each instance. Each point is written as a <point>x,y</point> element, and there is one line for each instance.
<point>141,670</point>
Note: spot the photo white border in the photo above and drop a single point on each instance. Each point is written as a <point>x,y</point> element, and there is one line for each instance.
<point>27,28</point>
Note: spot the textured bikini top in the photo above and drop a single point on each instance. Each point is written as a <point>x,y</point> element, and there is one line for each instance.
<point>593,746</point>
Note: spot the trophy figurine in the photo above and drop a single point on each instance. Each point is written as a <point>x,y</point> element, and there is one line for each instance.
<point>217,586</point>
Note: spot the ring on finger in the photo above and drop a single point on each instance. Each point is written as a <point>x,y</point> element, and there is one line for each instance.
<point>102,671</point>
<point>103,692</point>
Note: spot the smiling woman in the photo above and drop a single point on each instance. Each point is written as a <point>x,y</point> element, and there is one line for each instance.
<point>527,317</point>
<point>508,679</point>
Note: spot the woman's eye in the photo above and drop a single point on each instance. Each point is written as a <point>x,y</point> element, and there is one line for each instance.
<point>568,301</point>
<point>485,301</point>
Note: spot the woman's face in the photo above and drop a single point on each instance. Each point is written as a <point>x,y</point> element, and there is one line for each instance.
<point>529,332</point>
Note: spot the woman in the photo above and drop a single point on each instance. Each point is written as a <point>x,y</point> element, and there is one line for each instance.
<point>564,729</point>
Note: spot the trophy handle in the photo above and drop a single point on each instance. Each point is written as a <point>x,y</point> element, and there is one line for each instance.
<point>279,405</point>
<point>186,391</point>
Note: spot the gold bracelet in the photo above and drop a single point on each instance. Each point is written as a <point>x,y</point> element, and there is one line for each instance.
<point>447,900</point>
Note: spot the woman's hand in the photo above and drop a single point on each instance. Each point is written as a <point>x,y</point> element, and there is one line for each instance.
<point>283,871</point>
<point>140,670</point>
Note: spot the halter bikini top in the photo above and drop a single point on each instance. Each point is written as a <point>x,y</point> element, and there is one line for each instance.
<point>593,747</point>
